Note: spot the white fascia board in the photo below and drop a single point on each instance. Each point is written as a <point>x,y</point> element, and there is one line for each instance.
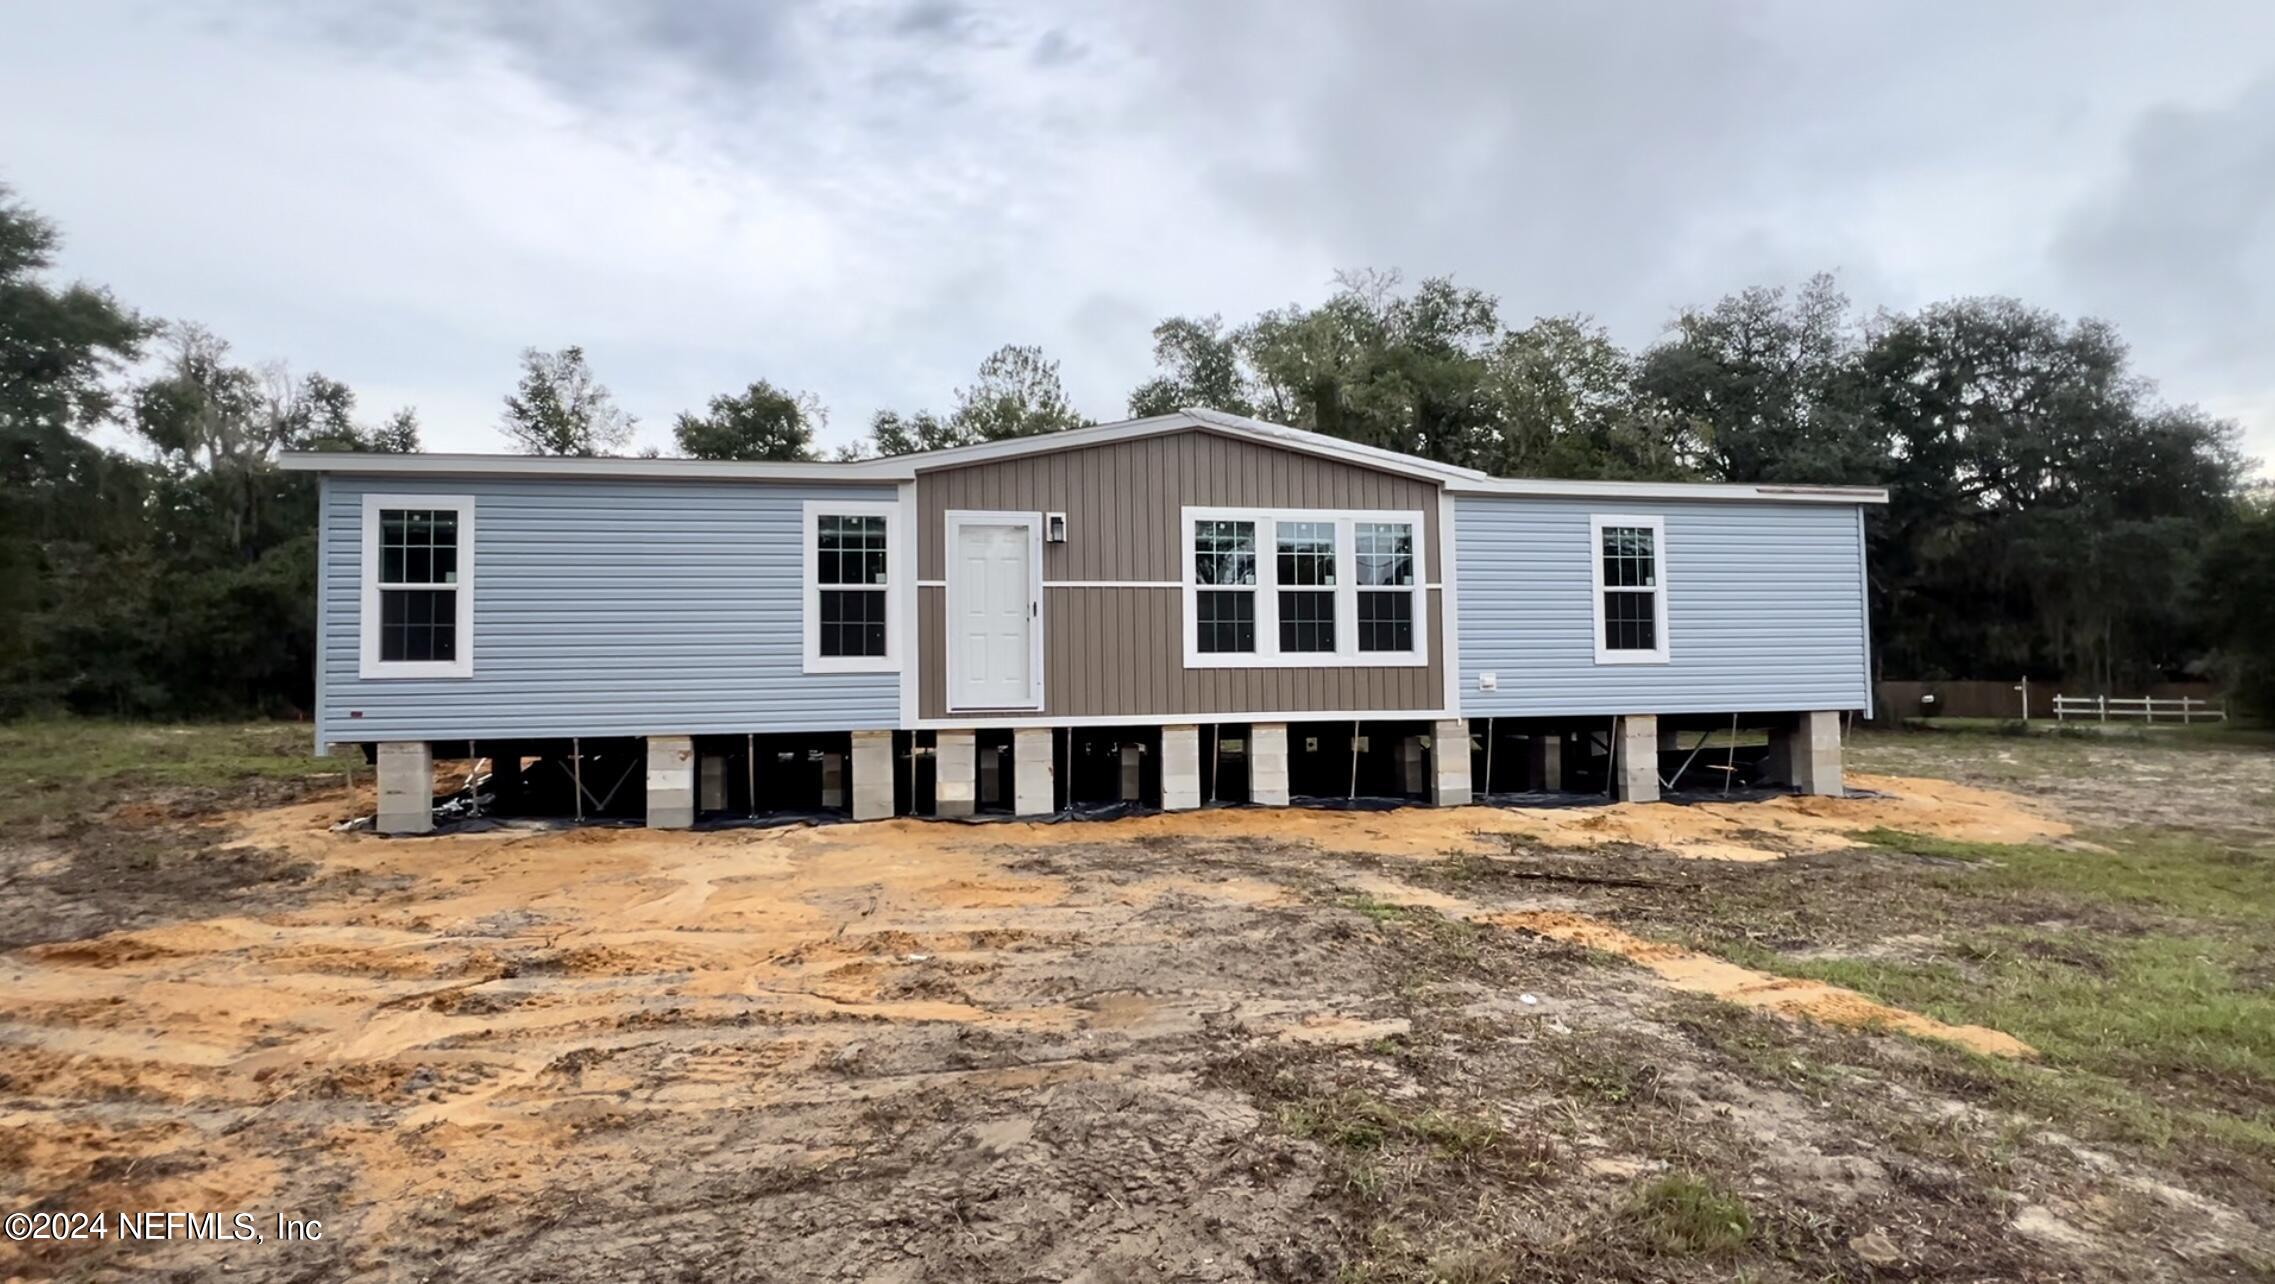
<point>1041,443</point>
<point>441,465</point>
<point>1320,443</point>
<point>1551,488</point>
<point>1296,439</point>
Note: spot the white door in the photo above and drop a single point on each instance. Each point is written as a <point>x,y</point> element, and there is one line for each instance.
<point>993,607</point>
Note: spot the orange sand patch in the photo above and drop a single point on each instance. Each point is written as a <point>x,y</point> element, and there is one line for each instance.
<point>1697,973</point>
<point>446,991</point>
<point>1744,831</point>
<point>463,986</point>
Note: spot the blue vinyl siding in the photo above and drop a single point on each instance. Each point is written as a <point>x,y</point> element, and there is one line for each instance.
<point>1765,609</point>
<point>603,608</point>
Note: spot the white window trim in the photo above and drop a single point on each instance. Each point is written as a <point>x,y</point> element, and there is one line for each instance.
<point>1658,527</point>
<point>371,666</point>
<point>956,520</point>
<point>897,566</point>
<point>1267,654</point>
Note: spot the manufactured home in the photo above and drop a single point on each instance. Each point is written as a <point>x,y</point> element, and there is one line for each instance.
<point>1166,612</point>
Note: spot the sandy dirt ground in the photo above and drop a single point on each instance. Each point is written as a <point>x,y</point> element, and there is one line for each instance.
<point>902,1050</point>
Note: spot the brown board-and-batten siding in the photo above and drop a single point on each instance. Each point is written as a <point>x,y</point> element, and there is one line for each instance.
<point>1119,652</point>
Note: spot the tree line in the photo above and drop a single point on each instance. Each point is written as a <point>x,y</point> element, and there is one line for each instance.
<point>2049,514</point>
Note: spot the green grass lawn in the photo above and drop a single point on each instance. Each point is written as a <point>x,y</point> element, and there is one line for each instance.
<point>62,768</point>
<point>2139,967</point>
<point>2228,734</point>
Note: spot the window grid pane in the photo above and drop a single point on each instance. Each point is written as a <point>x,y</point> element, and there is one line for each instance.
<point>1307,620</point>
<point>418,625</point>
<point>418,546</point>
<point>1225,620</point>
<point>1224,553</point>
<point>1307,553</point>
<point>1386,553</point>
<point>849,550</point>
<point>1386,621</point>
<point>852,622</point>
<point>1630,557</point>
<point>1630,620</point>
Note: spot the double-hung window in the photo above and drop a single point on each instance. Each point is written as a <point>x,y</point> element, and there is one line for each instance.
<point>417,617</point>
<point>1224,580</point>
<point>851,611</point>
<point>1306,573</point>
<point>1386,585</point>
<point>1628,555</point>
<point>1297,588</point>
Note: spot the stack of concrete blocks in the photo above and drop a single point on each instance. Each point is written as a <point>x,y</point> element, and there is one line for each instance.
<point>1133,773</point>
<point>872,775</point>
<point>1034,772</point>
<point>406,787</point>
<point>1268,764</point>
<point>833,780</point>
<point>711,783</point>
<point>1180,768</point>
<point>1807,754</point>
<point>1544,752</point>
<point>671,782</point>
<point>1635,758</point>
<point>1413,765</point>
<point>989,789</point>
<point>1449,758</point>
<point>955,778</point>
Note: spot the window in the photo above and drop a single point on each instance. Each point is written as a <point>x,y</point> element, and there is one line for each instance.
<point>1630,589</point>
<point>851,551</point>
<point>1224,576</point>
<point>1386,585</point>
<point>418,587</point>
<point>1298,588</point>
<point>851,612</point>
<point>1307,613</point>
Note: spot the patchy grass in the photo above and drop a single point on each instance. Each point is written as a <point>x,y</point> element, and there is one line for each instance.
<point>1381,911</point>
<point>2175,871</point>
<point>2185,1021</point>
<point>2233,734</point>
<point>57,765</point>
<point>2137,963</point>
<point>1685,1214</point>
<point>1355,1121</point>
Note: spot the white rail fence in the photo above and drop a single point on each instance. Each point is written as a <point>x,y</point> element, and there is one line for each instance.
<point>2183,709</point>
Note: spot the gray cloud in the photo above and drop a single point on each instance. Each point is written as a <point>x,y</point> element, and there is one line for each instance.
<point>864,200</point>
<point>2181,243</point>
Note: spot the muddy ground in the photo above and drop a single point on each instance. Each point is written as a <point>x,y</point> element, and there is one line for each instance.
<point>1466,1045</point>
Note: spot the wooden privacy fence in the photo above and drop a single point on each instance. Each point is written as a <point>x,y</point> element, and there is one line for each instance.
<point>2147,708</point>
<point>1894,701</point>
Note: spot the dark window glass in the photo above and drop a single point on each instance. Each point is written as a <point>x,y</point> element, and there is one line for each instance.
<point>418,624</point>
<point>1386,553</point>
<point>852,622</point>
<point>1630,621</point>
<point>1307,620</point>
<point>1307,553</point>
<point>849,550</point>
<point>1224,553</point>
<point>1630,557</point>
<point>1386,621</point>
<point>1227,620</point>
<point>418,546</point>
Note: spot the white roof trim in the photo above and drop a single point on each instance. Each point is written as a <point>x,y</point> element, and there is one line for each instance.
<point>1553,488</point>
<point>1321,443</point>
<point>900,468</point>
<point>343,461</point>
<point>1215,421</point>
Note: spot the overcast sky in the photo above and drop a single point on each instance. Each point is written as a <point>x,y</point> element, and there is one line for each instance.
<point>863,202</point>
